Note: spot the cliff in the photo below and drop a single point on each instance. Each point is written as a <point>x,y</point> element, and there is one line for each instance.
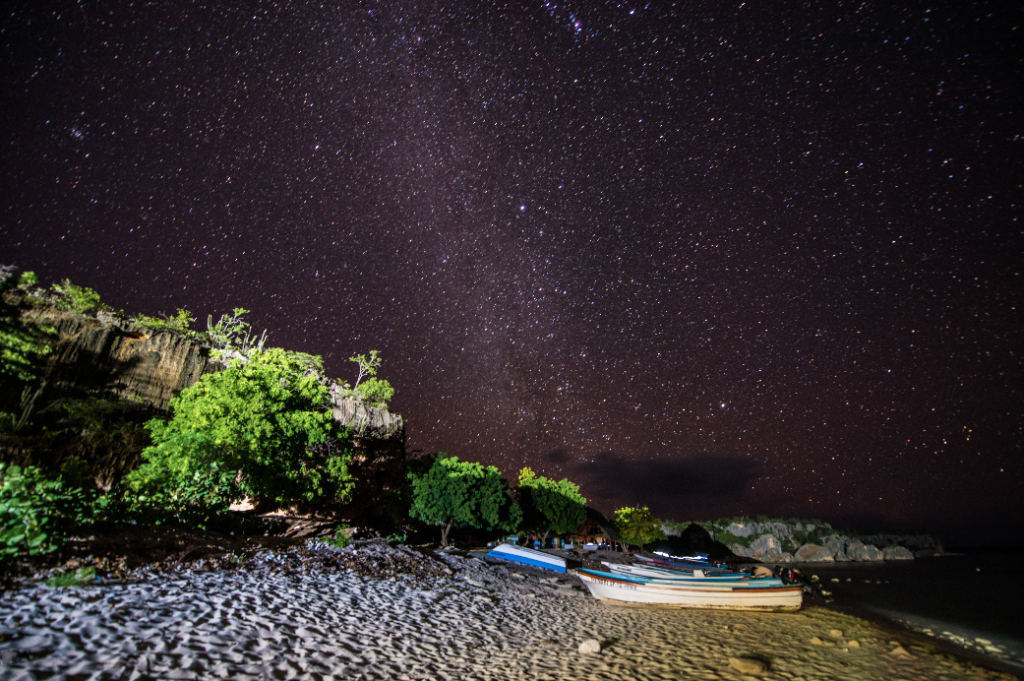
<point>103,355</point>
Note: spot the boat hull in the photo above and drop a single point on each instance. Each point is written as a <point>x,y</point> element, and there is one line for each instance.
<point>784,599</point>
<point>519,554</point>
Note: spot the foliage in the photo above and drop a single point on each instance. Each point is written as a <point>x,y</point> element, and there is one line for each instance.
<point>80,577</point>
<point>464,494</point>
<point>340,538</point>
<point>12,423</point>
<point>262,429</point>
<point>36,513</point>
<point>376,391</point>
<point>80,299</point>
<point>730,538</point>
<point>637,526</point>
<point>367,365</point>
<point>180,323</point>
<point>234,334</point>
<point>550,506</point>
<point>21,345</point>
<point>27,280</point>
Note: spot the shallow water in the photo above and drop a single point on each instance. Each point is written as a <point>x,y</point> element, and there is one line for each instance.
<point>961,598</point>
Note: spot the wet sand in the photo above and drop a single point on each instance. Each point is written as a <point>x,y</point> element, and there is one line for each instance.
<point>478,620</point>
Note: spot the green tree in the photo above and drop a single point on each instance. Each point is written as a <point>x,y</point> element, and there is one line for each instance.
<point>637,526</point>
<point>462,494</point>
<point>375,390</point>
<point>80,299</point>
<point>22,345</point>
<point>550,506</point>
<point>263,429</point>
<point>367,366</point>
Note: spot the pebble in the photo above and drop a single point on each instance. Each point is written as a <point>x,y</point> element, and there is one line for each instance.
<point>746,665</point>
<point>590,646</point>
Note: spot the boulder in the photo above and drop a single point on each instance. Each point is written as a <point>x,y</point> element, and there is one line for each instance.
<point>740,550</point>
<point>897,553</point>
<point>766,548</point>
<point>858,551</point>
<point>812,553</point>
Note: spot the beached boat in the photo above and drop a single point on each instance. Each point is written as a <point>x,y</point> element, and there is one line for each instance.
<point>697,577</point>
<point>521,554</point>
<point>606,586</point>
<point>686,565</point>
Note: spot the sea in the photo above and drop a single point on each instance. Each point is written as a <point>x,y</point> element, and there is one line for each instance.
<point>971,601</point>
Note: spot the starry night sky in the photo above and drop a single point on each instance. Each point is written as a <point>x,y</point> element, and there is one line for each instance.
<point>714,258</point>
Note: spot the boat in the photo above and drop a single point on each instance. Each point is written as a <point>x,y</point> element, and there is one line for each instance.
<point>685,565</point>
<point>610,587</point>
<point>659,575</point>
<point>521,554</point>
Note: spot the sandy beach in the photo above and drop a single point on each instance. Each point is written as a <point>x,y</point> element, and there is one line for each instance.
<point>310,614</point>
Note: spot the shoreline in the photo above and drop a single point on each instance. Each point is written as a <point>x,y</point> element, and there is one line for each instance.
<point>312,611</point>
<point>954,642</point>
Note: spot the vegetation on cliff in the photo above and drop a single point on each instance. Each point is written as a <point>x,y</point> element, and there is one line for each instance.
<point>262,429</point>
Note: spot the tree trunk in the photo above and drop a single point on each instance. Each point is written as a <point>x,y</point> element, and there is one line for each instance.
<point>544,538</point>
<point>444,533</point>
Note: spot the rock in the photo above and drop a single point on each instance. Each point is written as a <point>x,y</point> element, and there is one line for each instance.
<point>858,551</point>
<point>817,641</point>
<point>740,550</point>
<point>590,646</point>
<point>812,553</point>
<point>897,553</point>
<point>835,633</point>
<point>900,651</point>
<point>853,644</point>
<point>765,548</point>
<point>746,665</point>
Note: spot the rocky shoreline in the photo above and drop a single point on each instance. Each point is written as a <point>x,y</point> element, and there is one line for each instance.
<point>375,611</point>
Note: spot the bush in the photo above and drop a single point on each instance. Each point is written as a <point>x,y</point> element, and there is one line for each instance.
<point>37,513</point>
<point>180,324</point>
<point>80,299</point>
<point>376,391</point>
<point>262,429</point>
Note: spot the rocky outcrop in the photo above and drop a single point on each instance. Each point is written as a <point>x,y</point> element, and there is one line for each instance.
<point>772,541</point>
<point>101,353</point>
<point>104,355</point>
<point>859,551</point>
<point>897,553</point>
<point>812,553</point>
<point>94,355</point>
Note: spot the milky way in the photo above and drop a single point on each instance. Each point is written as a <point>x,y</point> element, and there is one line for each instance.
<point>712,258</point>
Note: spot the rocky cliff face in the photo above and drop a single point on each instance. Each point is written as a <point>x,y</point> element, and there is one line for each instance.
<point>107,355</point>
<point>102,353</point>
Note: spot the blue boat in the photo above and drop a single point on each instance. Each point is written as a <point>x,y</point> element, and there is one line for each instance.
<point>520,554</point>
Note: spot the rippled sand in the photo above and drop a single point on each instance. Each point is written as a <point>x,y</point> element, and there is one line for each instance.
<point>482,622</point>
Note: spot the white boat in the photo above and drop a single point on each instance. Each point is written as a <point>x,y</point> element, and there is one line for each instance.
<point>711,596</point>
<point>645,571</point>
<point>672,577</point>
<point>521,554</point>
